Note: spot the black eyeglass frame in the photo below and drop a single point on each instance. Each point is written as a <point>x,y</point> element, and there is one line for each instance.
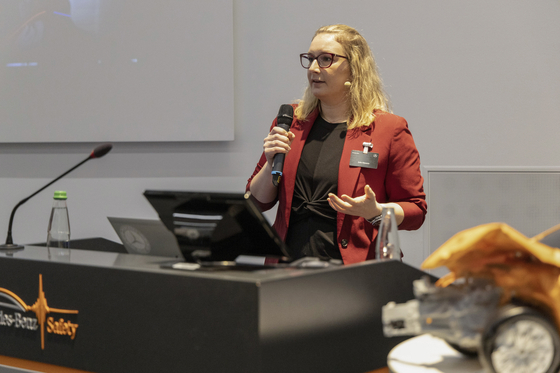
<point>308,55</point>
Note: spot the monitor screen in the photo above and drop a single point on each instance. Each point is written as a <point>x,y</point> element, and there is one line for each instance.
<point>216,226</point>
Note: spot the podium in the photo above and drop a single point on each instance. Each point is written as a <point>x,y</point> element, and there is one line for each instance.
<point>110,312</point>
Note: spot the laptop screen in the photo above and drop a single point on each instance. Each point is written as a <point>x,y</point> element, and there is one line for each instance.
<point>216,226</point>
<point>145,237</point>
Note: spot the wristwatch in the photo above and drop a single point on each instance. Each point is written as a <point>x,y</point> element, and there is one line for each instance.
<point>376,220</point>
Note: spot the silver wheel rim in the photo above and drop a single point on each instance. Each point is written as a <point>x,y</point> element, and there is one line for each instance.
<point>522,346</point>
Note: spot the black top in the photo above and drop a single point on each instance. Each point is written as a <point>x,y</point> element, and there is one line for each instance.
<point>312,228</point>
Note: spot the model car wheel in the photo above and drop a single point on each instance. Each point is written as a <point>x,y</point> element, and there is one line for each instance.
<point>465,351</point>
<point>519,340</point>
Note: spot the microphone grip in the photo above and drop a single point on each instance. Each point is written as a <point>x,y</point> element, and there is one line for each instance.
<point>284,126</point>
<point>278,160</point>
<point>277,167</point>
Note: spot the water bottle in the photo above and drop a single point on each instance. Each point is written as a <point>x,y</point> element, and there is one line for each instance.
<point>387,246</point>
<point>58,237</point>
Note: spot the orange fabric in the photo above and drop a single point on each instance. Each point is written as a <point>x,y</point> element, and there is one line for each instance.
<point>521,266</point>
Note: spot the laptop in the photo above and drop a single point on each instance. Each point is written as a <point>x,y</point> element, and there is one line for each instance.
<point>211,226</point>
<point>146,237</point>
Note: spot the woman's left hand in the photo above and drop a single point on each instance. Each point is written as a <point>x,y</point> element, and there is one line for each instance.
<point>365,206</point>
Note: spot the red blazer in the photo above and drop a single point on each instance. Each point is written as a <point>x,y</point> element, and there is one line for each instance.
<point>396,179</point>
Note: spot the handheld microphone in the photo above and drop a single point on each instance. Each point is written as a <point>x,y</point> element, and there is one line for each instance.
<point>98,152</point>
<point>284,121</point>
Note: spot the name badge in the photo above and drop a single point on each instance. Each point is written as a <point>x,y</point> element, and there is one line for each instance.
<point>361,159</point>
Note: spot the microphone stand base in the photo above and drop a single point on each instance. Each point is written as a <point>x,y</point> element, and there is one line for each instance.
<point>10,247</point>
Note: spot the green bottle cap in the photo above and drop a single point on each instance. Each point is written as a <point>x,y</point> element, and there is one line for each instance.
<point>60,194</point>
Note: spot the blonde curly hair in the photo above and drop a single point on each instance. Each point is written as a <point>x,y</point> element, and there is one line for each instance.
<point>366,93</point>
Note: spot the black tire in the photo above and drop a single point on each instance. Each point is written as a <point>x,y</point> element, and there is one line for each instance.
<point>465,351</point>
<point>520,339</point>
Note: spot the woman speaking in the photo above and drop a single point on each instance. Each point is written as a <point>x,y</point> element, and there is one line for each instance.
<point>346,157</point>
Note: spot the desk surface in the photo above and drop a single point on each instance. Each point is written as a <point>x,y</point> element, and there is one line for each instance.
<point>144,263</point>
<point>429,354</point>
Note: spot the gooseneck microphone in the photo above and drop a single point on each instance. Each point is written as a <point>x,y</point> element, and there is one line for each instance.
<point>284,121</point>
<point>98,152</point>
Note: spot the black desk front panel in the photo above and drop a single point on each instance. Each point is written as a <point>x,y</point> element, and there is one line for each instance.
<point>135,317</point>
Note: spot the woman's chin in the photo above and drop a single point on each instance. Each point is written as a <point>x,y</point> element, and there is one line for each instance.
<point>318,93</point>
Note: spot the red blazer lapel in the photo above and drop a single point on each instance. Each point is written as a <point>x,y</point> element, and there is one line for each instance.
<point>347,175</point>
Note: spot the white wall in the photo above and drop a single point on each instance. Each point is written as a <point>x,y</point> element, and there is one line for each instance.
<point>478,82</point>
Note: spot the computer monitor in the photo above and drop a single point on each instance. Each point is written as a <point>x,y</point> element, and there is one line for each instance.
<point>216,226</point>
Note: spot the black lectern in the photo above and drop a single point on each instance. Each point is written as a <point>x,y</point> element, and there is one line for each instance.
<point>109,312</point>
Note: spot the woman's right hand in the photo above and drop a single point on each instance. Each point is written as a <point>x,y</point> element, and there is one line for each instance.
<point>277,141</point>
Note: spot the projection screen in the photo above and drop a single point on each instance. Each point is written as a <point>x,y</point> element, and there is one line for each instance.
<point>116,70</point>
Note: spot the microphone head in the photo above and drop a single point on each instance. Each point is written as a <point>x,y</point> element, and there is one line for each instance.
<point>101,150</point>
<point>285,115</point>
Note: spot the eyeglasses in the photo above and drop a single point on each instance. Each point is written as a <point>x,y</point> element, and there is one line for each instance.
<point>324,59</point>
